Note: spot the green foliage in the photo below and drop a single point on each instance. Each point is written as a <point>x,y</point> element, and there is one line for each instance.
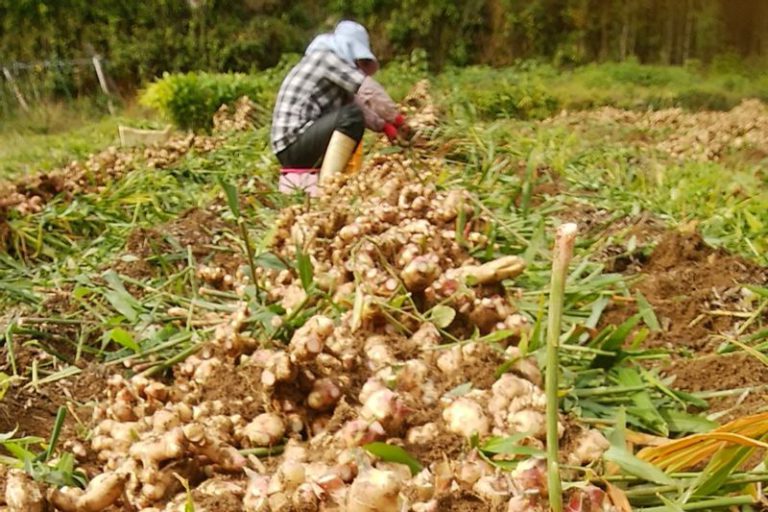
<point>191,99</point>
<point>141,40</point>
<point>399,75</point>
<point>499,93</point>
<point>392,453</point>
<point>702,99</point>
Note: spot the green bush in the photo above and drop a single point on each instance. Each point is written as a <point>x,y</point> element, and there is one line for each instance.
<point>499,93</point>
<point>399,75</point>
<point>189,100</point>
<point>632,73</point>
<point>703,99</point>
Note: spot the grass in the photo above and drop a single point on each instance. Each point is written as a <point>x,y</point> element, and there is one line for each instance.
<point>536,91</point>
<point>53,134</point>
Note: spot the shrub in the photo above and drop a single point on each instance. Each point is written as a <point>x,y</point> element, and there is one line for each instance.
<point>499,93</point>
<point>189,100</point>
<point>702,99</point>
<point>399,75</point>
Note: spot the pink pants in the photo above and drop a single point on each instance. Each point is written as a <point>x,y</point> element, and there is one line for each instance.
<point>295,180</point>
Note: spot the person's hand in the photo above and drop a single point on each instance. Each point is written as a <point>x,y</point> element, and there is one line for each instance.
<point>390,130</point>
<point>399,131</point>
<point>405,132</point>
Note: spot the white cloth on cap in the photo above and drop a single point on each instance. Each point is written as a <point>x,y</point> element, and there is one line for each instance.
<point>349,41</point>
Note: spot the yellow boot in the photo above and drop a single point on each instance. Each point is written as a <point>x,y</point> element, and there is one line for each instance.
<point>340,149</point>
<point>356,162</point>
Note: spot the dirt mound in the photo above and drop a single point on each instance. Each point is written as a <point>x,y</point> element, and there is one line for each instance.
<point>370,351</point>
<point>33,412</point>
<point>696,291</point>
<point>740,373</point>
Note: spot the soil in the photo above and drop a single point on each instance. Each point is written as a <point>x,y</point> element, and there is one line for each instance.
<point>198,228</point>
<point>33,413</point>
<point>622,242</point>
<point>239,392</point>
<point>465,501</point>
<point>696,292</point>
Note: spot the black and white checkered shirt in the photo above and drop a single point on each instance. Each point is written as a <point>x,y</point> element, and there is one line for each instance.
<point>318,84</point>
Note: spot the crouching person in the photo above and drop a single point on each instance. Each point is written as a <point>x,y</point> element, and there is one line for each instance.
<point>324,105</point>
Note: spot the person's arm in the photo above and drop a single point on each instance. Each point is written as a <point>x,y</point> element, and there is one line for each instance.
<point>342,74</point>
<point>373,121</point>
<point>376,98</point>
<point>380,107</point>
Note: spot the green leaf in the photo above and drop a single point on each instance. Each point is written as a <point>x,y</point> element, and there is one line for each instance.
<point>496,336</point>
<point>690,399</point>
<point>460,390</point>
<point>56,432</point>
<point>8,435</point>
<point>636,467</point>
<point>81,291</point>
<point>306,272</point>
<point>613,343</point>
<point>390,453</point>
<point>122,305</point>
<point>628,463</point>
<point>684,423</point>
<point>231,192</point>
<point>124,338</point>
<point>397,301</point>
<point>461,222</point>
<point>723,463</point>
<point>18,451</point>
<point>510,445</point>
<point>536,244</point>
<point>269,261</point>
<point>617,436</point>
<point>441,316</point>
<point>759,290</point>
<point>646,311</point>
<point>645,409</point>
<point>4,438</point>
<point>671,505</point>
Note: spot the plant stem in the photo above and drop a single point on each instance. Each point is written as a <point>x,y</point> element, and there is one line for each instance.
<point>263,452</point>
<point>171,361</point>
<point>530,176</point>
<point>641,491</point>
<point>249,252</point>
<point>564,241</point>
<point>717,503</point>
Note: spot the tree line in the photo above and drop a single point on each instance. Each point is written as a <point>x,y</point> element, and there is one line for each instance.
<point>141,39</point>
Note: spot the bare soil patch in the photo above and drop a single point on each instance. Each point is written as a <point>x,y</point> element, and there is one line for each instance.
<point>697,294</point>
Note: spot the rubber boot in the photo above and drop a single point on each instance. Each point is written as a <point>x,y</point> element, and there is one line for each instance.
<point>340,149</point>
<point>356,162</point>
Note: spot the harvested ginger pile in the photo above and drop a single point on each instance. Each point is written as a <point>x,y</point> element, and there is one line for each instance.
<point>375,362</point>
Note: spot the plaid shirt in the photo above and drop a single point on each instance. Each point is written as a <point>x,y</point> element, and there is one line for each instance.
<point>318,84</point>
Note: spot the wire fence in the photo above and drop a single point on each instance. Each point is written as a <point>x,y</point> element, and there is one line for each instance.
<point>26,85</point>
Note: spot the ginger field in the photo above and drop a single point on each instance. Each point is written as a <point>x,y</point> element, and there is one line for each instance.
<point>176,335</point>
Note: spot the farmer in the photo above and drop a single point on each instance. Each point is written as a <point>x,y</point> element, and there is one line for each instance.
<point>324,105</point>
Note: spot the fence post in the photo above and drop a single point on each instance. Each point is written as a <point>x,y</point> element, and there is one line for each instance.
<point>103,82</point>
<point>16,91</point>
